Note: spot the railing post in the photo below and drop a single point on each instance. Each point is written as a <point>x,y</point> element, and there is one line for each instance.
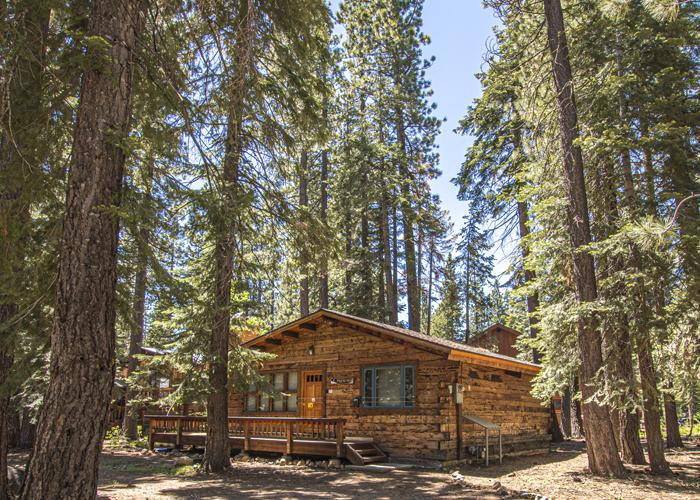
<point>150,434</point>
<point>178,439</point>
<point>339,438</point>
<point>487,446</point>
<point>246,436</point>
<point>290,437</point>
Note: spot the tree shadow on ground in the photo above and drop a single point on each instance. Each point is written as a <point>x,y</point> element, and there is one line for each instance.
<point>563,473</point>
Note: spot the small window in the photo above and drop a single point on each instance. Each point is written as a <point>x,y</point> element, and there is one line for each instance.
<point>495,378</point>
<point>388,386</point>
<point>513,374</point>
<point>473,374</point>
<point>283,397</point>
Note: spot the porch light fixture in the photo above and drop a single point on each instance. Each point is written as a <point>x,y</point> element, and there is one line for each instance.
<point>311,350</point>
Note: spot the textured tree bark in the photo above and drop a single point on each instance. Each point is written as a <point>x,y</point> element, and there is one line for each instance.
<point>691,413</point>
<point>429,299</point>
<point>395,263</point>
<point>673,433</point>
<point>5,365</point>
<point>386,249</point>
<point>601,448</point>
<point>565,414</point>
<point>574,411</point>
<point>323,288</point>
<point>74,415</point>
<point>304,204</point>
<point>650,403</point>
<point>217,452</point>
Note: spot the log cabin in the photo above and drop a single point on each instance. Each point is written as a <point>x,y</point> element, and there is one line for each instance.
<point>497,338</point>
<point>412,395</point>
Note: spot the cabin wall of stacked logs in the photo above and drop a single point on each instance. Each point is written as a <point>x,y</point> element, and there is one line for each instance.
<point>428,430</point>
<point>503,397</point>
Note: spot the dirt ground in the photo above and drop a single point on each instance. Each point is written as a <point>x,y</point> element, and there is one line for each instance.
<point>559,474</point>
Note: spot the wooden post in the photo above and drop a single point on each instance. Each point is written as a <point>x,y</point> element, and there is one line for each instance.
<point>487,446</point>
<point>290,437</point>
<point>178,439</point>
<point>500,447</point>
<point>339,438</point>
<point>458,409</point>
<point>246,436</point>
<point>150,434</point>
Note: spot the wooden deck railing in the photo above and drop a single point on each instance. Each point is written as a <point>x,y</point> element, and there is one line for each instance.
<point>288,429</point>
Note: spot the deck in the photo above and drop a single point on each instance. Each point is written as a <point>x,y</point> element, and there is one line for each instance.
<point>286,435</point>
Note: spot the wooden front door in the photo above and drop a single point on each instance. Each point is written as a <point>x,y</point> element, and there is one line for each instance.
<point>313,401</point>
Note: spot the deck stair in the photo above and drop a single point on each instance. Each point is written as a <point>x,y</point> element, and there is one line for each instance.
<point>364,452</point>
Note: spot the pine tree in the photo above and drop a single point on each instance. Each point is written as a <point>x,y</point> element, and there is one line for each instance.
<point>448,319</point>
<point>82,339</point>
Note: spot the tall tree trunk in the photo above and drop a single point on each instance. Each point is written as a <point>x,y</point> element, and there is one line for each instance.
<point>533,300</point>
<point>601,447</point>
<point>691,413</point>
<point>348,256</point>
<point>386,248</point>
<point>217,451</point>
<point>650,392</point>
<point>419,271</point>
<point>673,432</point>
<point>467,299</point>
<point>23,122</point>
<point>5,366</point>
<point>74,415</point>
<point>323,289</point>
<point>395,263</point>
<point>304,261</point>
<point>652,416</point>
<point>409,243</point>
<point>429,305</point>
<point>365,268</point>
<point>565,413</point>
<point>129,424</point>
<point>575,411</point>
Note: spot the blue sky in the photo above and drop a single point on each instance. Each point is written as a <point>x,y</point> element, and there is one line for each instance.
<point>459,30</point>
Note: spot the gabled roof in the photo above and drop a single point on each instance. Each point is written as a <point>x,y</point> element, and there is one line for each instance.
<point>494,328</point>
<point>453,350</point>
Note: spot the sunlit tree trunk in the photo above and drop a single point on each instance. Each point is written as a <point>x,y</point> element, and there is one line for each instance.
<point>74,415</point>
<point>217,451</point>
<point>304,205</point>
<point>601,446</point>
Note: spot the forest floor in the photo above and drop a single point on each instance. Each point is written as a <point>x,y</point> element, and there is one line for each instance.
<point>128,474</point>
